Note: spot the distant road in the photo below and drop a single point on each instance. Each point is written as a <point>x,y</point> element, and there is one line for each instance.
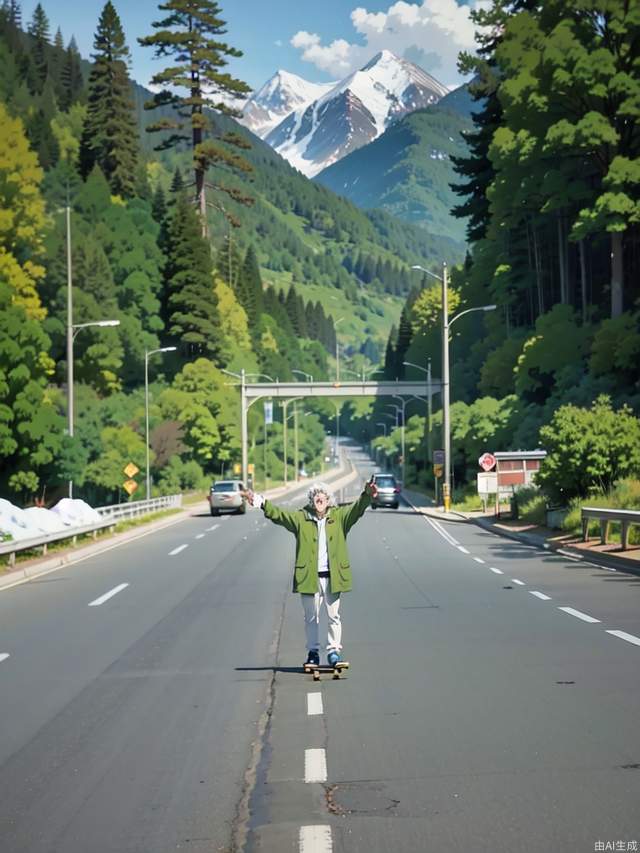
<point>151,698</point>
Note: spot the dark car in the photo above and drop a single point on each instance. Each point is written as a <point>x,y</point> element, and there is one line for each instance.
<point>388,491</point>
<point>226,496</point>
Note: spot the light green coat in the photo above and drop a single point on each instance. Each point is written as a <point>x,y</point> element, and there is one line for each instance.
<point>301,523</point>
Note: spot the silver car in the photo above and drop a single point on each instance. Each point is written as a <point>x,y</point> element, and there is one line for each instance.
<point>226,496</point>
<point>388,491</point>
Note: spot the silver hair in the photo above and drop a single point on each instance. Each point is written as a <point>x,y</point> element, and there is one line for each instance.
<point>317,488</point>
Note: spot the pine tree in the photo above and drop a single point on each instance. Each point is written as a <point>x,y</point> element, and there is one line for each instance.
<point>110,138</point>
<point>177,182</point>
<point>71,76</point>
<point>253,279</point>
<point>191,35</point>
<point>405,333</point>
<point>39,30</point>
<point>193,310</point>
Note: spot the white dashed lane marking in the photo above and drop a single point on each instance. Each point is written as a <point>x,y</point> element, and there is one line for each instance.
<point>478,559</point>
<point>215,527</point>
<point>177,550</point>
<point>462,548</point>
<point>496,571</point>
<point>315,765</point>
<point>517,582</point>
<point>315,839</point>
<point>3,657</point>
<point>540,595</point>
<point>578,614</point>
<point>314,704</point>
<point>200,536</point>
<point>108,595</point>
<point>630,638</point>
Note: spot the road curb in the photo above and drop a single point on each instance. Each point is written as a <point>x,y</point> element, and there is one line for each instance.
<point>609,561</point>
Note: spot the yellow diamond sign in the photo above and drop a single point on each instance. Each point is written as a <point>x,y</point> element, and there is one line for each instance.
<point>130,486</point>
<point>131,470</point>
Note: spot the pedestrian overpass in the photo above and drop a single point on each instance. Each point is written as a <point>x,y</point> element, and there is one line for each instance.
<point>251,392</point>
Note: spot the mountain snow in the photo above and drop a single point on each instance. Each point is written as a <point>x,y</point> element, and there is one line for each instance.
<point>281,95</point>
<point>352,113</point>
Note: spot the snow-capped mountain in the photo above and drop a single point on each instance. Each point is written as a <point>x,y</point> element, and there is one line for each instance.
<point>281,95</point>
<point>354,112</point>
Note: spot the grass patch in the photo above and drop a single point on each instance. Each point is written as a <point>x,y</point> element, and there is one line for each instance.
<point>625,495</point>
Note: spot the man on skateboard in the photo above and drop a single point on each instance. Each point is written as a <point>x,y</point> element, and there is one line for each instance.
<point>322,568</point>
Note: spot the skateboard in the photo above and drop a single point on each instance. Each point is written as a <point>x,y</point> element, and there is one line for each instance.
<point>316,670</point>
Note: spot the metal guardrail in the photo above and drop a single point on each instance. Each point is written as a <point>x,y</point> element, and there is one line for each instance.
<point>137,508</point>
<point>626,517</point>
<point>110,516</point>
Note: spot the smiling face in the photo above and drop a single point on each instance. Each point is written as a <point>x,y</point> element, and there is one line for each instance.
<point>321,504</point>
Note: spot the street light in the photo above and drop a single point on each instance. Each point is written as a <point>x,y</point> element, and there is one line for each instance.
<point>363,373</point>
<point>337,350</point>
<point>446,324</point>
<point>72,331</point>
<point>429,402</point>
<point>294,415</point>
<point>284,405</point>
<point>308,376</point>
<point>242,376</point>
<point>146,406</point>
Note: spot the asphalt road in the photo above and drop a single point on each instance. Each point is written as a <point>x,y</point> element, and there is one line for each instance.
<point>488,706</point>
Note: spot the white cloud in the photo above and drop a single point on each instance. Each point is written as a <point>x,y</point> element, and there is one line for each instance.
<point>431,34</point>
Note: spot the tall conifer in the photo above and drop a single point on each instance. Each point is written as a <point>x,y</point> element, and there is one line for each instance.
<point>190,34</point>
<point>192,304</point>
<point>71,76</point>
<point>109,137</point>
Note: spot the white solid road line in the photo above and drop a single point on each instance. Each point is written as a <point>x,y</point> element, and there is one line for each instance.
<point>177,550</point>
<point>215,527</point>
<point>578,614</point>
<point>314,704</point>
<point>315,839</point>
<point>315,765</point>
<point>540,595</point>
<point>3,657</point>
<point>516,581</point>
<point>108,595</point>
<point>630,638</point>
<point>495,571</point>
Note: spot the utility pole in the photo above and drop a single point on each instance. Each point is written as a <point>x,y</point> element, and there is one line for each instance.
<point>446,485</point>
<point>69,335</point>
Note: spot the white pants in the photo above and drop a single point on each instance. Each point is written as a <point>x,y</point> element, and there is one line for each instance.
<point>311,605</point>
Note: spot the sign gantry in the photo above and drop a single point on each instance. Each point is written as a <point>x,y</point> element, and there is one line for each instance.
<point>252,391</point>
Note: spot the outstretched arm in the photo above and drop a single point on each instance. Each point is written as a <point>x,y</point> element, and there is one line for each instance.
<point>354,511</point>
<point>279,516</point>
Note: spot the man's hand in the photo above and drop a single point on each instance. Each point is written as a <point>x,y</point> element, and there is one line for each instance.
<point>248,495</point>
<point>371,489</point>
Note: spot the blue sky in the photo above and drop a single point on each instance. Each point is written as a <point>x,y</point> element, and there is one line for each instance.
<point>320,40</point>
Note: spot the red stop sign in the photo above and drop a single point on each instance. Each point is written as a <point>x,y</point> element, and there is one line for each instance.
<point>487,461</point>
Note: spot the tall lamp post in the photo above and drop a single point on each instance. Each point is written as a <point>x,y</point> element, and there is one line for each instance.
<point>337,351</point>
<point>429,402</point>
<point>284,405</point>
<point>308,377</point>
<point>446,325</point>
<point>146,406</point>
<point>72,331</point>
<point>242,376</point>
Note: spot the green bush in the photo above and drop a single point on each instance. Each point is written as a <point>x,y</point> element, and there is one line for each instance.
<point>626,495</point>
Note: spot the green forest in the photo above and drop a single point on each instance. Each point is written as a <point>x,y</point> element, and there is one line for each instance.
<point>182,230</point>
<point>550,191</point>
<point>98,179</point>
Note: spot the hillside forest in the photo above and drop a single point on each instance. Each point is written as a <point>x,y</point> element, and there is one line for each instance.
<point>190,232</point>
<point>256,278</point>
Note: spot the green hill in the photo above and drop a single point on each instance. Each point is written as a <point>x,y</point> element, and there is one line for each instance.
<point>408,170</point>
